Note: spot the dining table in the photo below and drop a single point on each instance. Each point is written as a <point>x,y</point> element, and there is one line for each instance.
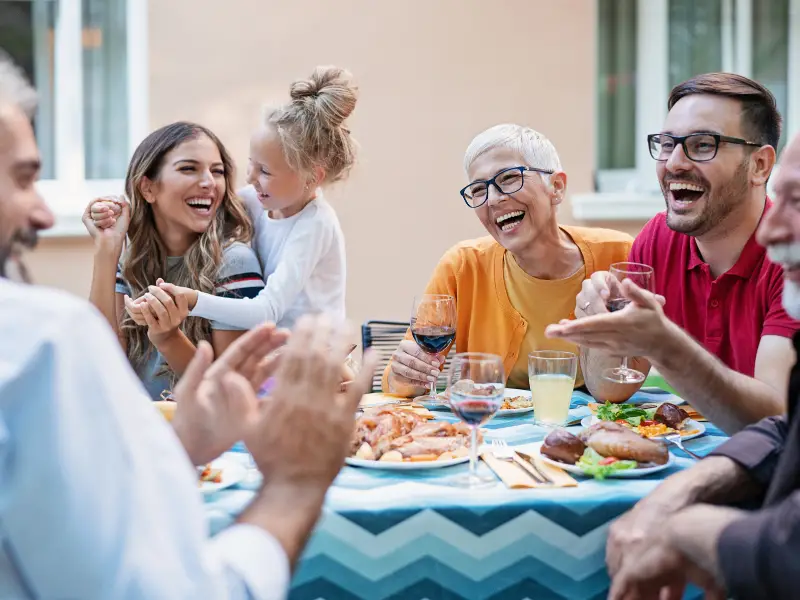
<point>419,535</point>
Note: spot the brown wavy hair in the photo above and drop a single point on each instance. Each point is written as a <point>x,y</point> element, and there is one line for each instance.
<point>145,258</point>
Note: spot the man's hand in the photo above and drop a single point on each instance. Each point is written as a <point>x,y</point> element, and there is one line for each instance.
<point>305,426</point>
<point>658,571</point>
<point>633,331</point>
<point>217,402</point>
<point>303,431</point>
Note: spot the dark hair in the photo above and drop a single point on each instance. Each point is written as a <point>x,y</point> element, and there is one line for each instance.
<point>761,121</point>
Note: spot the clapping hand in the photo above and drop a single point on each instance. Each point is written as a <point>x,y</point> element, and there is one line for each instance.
<point>305,426</point>
<point>216,401</point>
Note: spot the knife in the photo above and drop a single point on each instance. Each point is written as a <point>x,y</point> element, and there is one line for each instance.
<point>529,460</point>
<point>529,469</point>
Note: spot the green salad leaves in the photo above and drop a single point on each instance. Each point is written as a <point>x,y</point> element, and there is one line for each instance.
<point>599,467</point>
<point>625,412</point>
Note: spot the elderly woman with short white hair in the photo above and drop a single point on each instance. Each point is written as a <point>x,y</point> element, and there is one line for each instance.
<point>510,285</point>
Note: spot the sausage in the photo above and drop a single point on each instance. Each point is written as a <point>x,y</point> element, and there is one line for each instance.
<point>562,446</point>
<point>627,445</point>
<point>670,415</point>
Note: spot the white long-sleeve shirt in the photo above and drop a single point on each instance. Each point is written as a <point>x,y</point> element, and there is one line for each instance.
<point>304,264</point>
<point>98,499</point>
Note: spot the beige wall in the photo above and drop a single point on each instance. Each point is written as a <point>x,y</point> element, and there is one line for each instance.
<point>432,75</point>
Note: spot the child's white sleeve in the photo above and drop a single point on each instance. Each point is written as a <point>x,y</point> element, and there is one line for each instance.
<point>308,241</point>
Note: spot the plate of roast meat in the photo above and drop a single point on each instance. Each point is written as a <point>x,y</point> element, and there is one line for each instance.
<point>606,449</point>
<point>390,438</point>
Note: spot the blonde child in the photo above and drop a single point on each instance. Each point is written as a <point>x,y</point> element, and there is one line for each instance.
<point>299,148</point>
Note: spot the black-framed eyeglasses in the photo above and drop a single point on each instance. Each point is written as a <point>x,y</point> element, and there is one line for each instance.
<point>699,147</point>
<point>507,181</point>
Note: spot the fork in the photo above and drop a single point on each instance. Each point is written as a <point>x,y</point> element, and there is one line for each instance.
<point>675,438</point>
<point>502,451</point>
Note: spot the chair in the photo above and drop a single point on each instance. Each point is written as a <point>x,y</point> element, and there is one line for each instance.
<point>384,337</point>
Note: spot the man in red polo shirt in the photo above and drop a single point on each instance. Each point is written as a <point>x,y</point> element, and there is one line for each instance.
<point>722,338</point>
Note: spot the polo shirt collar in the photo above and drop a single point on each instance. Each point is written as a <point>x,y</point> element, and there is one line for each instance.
<point>749,259</point>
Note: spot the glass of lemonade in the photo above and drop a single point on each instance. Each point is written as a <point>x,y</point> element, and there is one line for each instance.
<point>552,377</point>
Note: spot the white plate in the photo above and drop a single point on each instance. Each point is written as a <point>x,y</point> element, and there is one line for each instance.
<point>509,393</point>
<point>387,465</point>
<point>626,474</point>
<point>690,424</point>
<point>232,473</point>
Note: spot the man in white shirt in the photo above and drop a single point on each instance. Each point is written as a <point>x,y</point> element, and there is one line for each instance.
<point>98,496</point>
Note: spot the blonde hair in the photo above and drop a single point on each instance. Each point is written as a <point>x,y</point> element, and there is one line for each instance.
<point>145,258</point>
<point>534,147</point>
<point>311,127</point>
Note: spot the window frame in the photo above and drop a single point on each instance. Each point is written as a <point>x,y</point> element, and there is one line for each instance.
<point>68,192</point>
<point>633,194</point>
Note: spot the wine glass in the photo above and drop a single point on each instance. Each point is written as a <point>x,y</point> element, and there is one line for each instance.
<point>477,388</point>
<point>642,276</point>
<point>433,326</point>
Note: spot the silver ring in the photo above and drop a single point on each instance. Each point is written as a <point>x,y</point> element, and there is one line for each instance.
<point>585,306</point>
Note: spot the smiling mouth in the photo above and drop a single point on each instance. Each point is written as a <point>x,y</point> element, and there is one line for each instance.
<point>685,194</point>
<point>509,221</point>
<point>201,206</point>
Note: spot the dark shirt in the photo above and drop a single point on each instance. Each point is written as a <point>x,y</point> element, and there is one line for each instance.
<point>760,554</point>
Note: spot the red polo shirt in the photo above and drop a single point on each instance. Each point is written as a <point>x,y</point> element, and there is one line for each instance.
<point>727,315</point>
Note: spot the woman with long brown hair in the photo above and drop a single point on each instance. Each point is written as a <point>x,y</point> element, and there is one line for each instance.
<point>181,223</point>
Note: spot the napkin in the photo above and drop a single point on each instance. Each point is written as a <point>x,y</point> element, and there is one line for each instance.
<point>516,477</point>
<point>693,414</point>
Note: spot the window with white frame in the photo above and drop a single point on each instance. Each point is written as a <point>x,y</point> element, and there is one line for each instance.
<point>88,60</point>
<point>645,47</point>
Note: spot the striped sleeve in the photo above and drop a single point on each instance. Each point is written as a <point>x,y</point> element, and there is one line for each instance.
<point>239,276</point>
<point>121,286</point>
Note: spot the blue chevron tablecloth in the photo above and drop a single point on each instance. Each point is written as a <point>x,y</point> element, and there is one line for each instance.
<point>415,535</point>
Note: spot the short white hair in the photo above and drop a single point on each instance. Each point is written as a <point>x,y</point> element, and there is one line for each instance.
<point>534,147</point>
<point>15,90</point>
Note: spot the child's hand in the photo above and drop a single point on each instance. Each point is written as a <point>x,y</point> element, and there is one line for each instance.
<point>107,216</point>
<point>159,311</point>
<point>183,294</point>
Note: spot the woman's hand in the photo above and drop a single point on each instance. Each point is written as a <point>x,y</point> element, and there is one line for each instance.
<point>412,366</point>
<point>107,217</point>
<point>160,312</point>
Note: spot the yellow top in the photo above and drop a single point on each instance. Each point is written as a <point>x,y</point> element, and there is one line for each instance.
<point>487,321</point>
<point>541,302</point>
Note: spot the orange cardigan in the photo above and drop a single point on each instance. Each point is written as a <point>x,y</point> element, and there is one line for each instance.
<point>472,272</point>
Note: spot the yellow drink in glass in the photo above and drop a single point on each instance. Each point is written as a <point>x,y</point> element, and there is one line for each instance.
<point>551,374</point>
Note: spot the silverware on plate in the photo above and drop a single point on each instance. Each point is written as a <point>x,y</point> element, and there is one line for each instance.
<point>675,438</point>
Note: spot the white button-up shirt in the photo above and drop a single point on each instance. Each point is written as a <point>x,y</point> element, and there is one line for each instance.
<point>97,497</point>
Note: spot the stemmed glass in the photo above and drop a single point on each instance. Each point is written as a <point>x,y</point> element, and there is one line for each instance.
<point>642,276</point>
<point>477,388</point>
<point>433,326</point>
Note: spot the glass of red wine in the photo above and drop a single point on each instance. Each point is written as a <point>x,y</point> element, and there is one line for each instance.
<point>433,326</point>
<point>642,276</point>
<point>477,387</point>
